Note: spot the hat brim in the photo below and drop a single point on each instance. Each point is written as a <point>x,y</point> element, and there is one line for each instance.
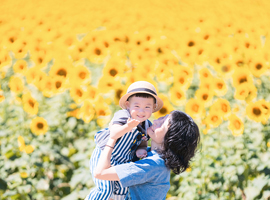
<point>158,106</point>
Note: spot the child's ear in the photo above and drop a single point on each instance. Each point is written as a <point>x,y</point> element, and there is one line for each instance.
<point>127,104</point>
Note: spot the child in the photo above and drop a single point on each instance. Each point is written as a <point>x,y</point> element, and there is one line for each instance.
<point>129,124</point>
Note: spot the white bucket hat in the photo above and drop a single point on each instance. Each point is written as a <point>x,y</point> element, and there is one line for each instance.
<point>141,87</point>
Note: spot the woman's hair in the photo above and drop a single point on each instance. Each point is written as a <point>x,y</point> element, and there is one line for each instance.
<point>180,142</point>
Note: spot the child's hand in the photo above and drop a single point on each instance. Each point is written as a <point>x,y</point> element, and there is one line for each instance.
<point>132,123</point>
<point>141,153</point>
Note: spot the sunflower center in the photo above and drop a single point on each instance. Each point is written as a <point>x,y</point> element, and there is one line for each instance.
<point>220,85</point>
<point>79,93</point>
<point>224,107</point>
<point>31,103</point>
<point>101,112</point>
<point>62,72</point>
<point>97,51</point>
<point>237,124</point>
<point>58,84</point>
<point>40,125</point>
<point>163,110</point>
<point>82,75</point>
<point>179,96</point>
<point>113,72</point>
<point>258,66</point>
<point>214,118</point>
<point>118,93</point>
<point>181,80</point>
<point>195,108</point>
<point>21,67</point>
<point>257,111</point>
<point>205,97</point>
<point>243,79</point>
<point>225,68</point>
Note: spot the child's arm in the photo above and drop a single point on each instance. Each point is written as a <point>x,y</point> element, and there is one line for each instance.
<point>117,131</point>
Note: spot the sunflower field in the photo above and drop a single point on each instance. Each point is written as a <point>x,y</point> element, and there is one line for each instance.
<point>65,64</point>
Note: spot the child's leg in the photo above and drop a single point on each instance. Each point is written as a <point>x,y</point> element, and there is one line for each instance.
<point>103,189</point>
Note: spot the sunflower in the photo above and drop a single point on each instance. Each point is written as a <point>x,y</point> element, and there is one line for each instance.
<point>204,95</point>
<point>91,92</point>
<point>181,80</point>
<point>60,68</point>
<point>205,73</point>
<point>107,84</point>
<point>80,75</point>
<point>222,108</point>
<point>163,73</point>
<point>236,126</point>
<point>241,76</point>
<point>255,111</point>
<point>97,52</point>
<point>46,85</point>
<point>39,126</point>
<point>87,111</point>
<point>114,68</point>
<point>220,88</point>
<point>266,110</point>
<point>59,84</point>
<point>77,93</point>
<point>20,66</point>
<point>30,105</point>
<point>34,75</point>
<point>245,91</point>
<point>258,67</point>
<point>166,109</point>
<point>103,111</point>
<point>177,96</point>
<point>16,84</point>
<point>213,120</point>
<point>21,143</point>
<point>195,108</point>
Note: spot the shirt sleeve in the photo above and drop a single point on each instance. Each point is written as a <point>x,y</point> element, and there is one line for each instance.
<point>139,172</point>
<point>120,117</point>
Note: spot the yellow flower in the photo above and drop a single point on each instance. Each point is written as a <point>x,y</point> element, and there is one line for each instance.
<point>222,108</point>
<point>2,97</point>
<point>20,66</point>
<point>103,112</point>
<point>266,109</point>
<point>177,96</point>
<point>39,126</point>
<point>97,52</point>
<point>16,84</point>
<point>258,65</point>
<point>77,93</point>
<point>87,111</point>
<point>114,68</point>
<point>46,86</point>
<point>204,95</point>
<point>30,105</point>
<point>163,73</point>
<point>24,174</point>
<point>241,76</point>
<point>182,77</point>
<point>236,125</point>
<point>59,84</point>
<point>34,75</point>
<point>80,75</point>
<point>255,111</point>
<point>195,108</point>
<point>205,74</point>
<point>213,119</point>
<point>166,109</point>
<point>21,143</point>
<point>107,84</point>
<point>220,88</point>
<point>245,91</point>
<point>91,92</point>
<point>60,68</point>
<point>24,148</point>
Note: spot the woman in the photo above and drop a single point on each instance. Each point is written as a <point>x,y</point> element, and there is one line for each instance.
<point>175,138</point>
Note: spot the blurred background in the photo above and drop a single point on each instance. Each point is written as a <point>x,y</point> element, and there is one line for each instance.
<point>65,64</point>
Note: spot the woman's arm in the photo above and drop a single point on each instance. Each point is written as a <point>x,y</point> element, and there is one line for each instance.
<point>104,171</point>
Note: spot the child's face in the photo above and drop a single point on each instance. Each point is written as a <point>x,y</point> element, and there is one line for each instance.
<point>140,108</point>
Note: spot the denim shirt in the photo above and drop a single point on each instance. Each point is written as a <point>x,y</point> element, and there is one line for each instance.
<point>148,178</point>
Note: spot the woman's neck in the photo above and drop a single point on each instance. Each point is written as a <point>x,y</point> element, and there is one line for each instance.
<point>155,146</point>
